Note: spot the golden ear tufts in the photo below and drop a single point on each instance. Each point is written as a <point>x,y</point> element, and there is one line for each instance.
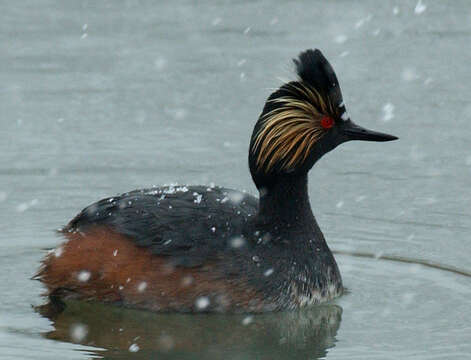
<point>290,130</point>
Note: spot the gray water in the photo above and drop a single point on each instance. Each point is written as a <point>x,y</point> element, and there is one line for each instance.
<point>98,98</point>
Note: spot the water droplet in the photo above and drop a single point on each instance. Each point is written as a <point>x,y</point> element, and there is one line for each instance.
<point>241,62</point>
<point>197,198</point>
<point>268,272</point>
<point>237,242</point>
<point>247,320</point>
<point>58,251</point>
<point>134,348</point>
<point>187,280</point>
<point>142,286</point>
<point>235,197</point>
<point>420,7</point>
<point>202,303</point>
<point>78,332</point>
<point>340,39</point>
<point>363,21</point>
<point>84,275</point>
<point>388,112</point>
<point>26,205</point>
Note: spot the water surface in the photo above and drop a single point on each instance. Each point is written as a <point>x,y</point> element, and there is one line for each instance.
<point>99,98</point>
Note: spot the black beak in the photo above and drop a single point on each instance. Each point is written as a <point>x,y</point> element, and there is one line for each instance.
<point>352,131</point>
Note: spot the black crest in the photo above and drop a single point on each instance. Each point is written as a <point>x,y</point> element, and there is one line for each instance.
<point>313,68</point>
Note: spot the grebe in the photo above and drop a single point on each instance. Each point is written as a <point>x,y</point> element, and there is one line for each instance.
<point>198,248</point>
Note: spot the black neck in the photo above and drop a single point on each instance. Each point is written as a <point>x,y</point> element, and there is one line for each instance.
<point>285,205</point>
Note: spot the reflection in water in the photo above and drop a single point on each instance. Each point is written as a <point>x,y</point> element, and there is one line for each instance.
<point>288,335</point>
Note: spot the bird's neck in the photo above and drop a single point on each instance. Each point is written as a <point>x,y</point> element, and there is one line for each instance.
<point>285,205</point>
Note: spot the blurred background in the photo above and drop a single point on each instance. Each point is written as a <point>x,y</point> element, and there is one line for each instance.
<point>102,97</point>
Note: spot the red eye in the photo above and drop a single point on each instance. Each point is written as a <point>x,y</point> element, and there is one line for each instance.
<point>327,122</point>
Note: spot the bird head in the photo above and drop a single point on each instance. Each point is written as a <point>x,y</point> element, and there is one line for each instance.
<point>301,121</point>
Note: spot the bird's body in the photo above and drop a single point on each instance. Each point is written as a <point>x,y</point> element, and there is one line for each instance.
<point>199,248</point>
<point>202,238</point>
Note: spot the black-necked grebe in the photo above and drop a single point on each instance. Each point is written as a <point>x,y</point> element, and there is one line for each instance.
<point>198,248</point>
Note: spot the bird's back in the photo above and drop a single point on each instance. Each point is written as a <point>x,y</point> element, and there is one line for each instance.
<point>185,223</point>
